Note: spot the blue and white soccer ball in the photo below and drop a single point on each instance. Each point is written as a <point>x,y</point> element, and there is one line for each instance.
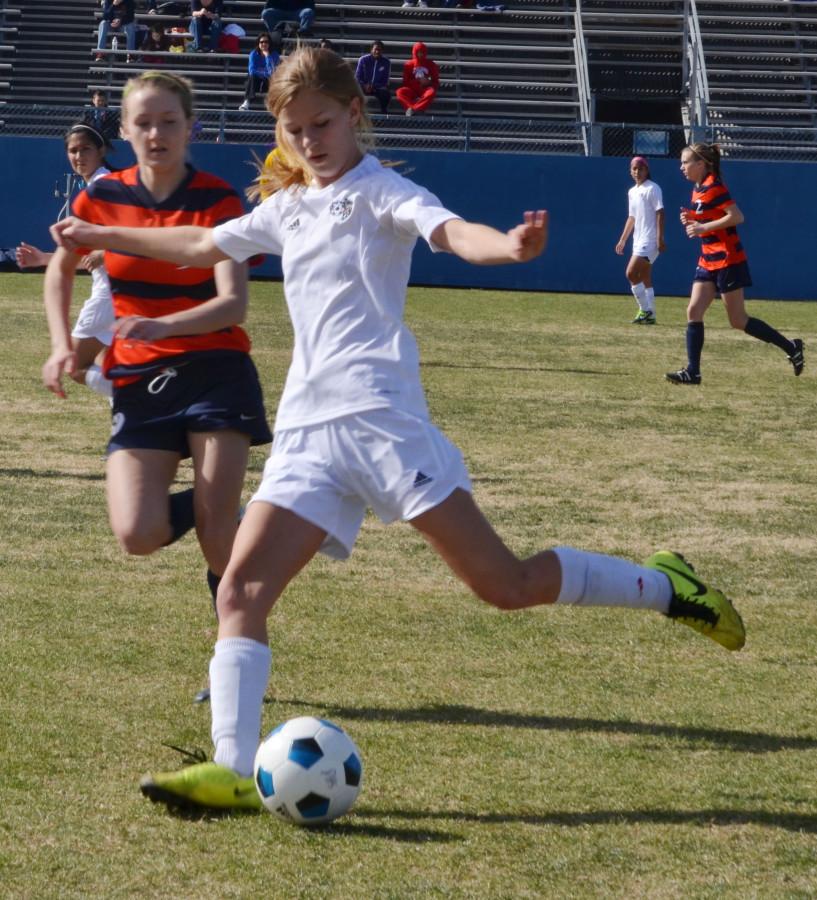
<point>308,771</point>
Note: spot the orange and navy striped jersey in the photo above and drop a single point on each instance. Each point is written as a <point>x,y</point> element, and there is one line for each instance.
<point>151,287</point>
<point>720,248</point>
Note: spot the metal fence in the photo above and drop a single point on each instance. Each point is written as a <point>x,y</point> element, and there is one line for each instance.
<point>474,134</point>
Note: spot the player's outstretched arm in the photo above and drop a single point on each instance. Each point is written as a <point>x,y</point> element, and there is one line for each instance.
<point>185,245</point>
<point>59,279</point>
<point>227,308</point>
<point>483,245</point>
<point>30,257</point>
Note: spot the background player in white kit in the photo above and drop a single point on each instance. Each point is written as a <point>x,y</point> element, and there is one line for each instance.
<point>353,429</point>
<point>646,224</point>
<point>93,330</point>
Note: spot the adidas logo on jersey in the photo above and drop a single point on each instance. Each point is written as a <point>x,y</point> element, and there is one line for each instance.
<point>295,223</point>
<point>421,478</point>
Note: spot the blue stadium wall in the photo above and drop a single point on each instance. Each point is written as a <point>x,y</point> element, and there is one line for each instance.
<point>586,199</point>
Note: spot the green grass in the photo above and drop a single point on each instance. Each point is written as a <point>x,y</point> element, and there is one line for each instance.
<point>553,753</point>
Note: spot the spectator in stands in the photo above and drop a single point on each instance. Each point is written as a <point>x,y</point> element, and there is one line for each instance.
<point>155,40</point>
<point>260,66</point>
<point>117,15</point>
<point>104,120</point>
<point>470,4</point>
<point>278,12</point>
<point>326,44</point>
<point>206,21</point>
<point>421,3</point>
<point>421,81</point>
<point>645,222</point>
<point>372,73</point>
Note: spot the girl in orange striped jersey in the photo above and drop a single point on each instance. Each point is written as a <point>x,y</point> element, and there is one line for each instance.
<point>722,266</point>
<point>184,384</point>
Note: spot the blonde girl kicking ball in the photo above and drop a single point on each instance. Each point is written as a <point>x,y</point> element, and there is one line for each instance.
<point>353,429</point>
<point>184,383</point>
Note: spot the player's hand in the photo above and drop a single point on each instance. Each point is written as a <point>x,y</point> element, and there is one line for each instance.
<point>662,247</point>
<point>30,257</point>
<point>61,362</point>
<point>529,239</point>
<point>92,260</point>
<point>620,248</point>
<point>684,216</point>
<point>140,328</point>
<point>72,233</point>
<point>694,229</point>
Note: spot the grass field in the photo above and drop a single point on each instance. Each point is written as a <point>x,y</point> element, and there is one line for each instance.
<point>555,753</point>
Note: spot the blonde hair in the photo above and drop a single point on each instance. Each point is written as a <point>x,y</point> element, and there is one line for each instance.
<point>166,81</point>
<point>313,69</point>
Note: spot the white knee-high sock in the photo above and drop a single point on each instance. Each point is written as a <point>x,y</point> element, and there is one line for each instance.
<point>649,299</point>
<point>96,381</point>
<point>590,579</point>
<point>639,294</point>
<point>239,672</point>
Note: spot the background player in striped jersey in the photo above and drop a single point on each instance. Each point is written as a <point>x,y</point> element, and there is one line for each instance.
<point>645,222</point>
<point>85,147</point>
<point>722,266</point>
<point>184,383</point>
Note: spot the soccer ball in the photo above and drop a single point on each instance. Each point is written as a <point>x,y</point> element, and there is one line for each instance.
<point>308,771</point>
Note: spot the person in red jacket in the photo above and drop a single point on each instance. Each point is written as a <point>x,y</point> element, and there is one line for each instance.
<point>421,81</point>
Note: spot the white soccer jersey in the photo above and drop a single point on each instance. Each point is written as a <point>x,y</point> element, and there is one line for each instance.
<point>644,202</point>
<point>96,318</point>
<point>346,255</point>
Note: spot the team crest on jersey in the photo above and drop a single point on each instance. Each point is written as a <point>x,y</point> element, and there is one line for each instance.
<point>341,209</point>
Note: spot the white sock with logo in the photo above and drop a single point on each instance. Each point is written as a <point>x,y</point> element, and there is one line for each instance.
<point>649,299</point>
<point>590,579</point>
<point>239,672</point>
<point>639,292</point>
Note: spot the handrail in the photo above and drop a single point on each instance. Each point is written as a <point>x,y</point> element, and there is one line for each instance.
<point>582,76</point>
<point>698,82</point>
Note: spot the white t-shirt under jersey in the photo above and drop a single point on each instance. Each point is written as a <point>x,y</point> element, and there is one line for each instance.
<point>346,254</point>
<point>644,202</point>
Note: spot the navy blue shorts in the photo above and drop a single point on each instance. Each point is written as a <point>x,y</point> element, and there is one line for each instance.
<point>212,393</point>
<point>732,278</point>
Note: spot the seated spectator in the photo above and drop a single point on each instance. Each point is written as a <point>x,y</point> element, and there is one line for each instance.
<point>277,12</point>
<point>421,81</point>
<point>101,118</point>
<point>155,40</point>
<point>117,15</point>
<point>260,66</point>
<point>482,5</point>
<point>206,21</point>
<point>372,73</point>
<point>421,3</point>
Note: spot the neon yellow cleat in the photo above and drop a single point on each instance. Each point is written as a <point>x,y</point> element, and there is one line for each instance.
<point>206,785</point>
<point>696,605</point>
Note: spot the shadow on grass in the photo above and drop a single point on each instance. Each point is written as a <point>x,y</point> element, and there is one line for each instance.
<point>51,473</point>
<point>705,817</point>
<point>430,364</point>
<point>453,714</point>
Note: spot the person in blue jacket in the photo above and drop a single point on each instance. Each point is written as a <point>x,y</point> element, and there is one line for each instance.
<point>260,66</point>
<point>373,72</point>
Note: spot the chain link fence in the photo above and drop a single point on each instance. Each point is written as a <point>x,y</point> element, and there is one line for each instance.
<point>508,135</point>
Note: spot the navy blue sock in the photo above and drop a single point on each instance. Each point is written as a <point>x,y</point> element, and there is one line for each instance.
<point>695,344</point>
<point>213,581</point>
<point>757,328</point>
<point>182,517</point>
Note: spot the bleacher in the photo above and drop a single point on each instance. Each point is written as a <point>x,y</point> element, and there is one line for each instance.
<point>520,80</point>
<point>761,64</point>
<point>518,66</point>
